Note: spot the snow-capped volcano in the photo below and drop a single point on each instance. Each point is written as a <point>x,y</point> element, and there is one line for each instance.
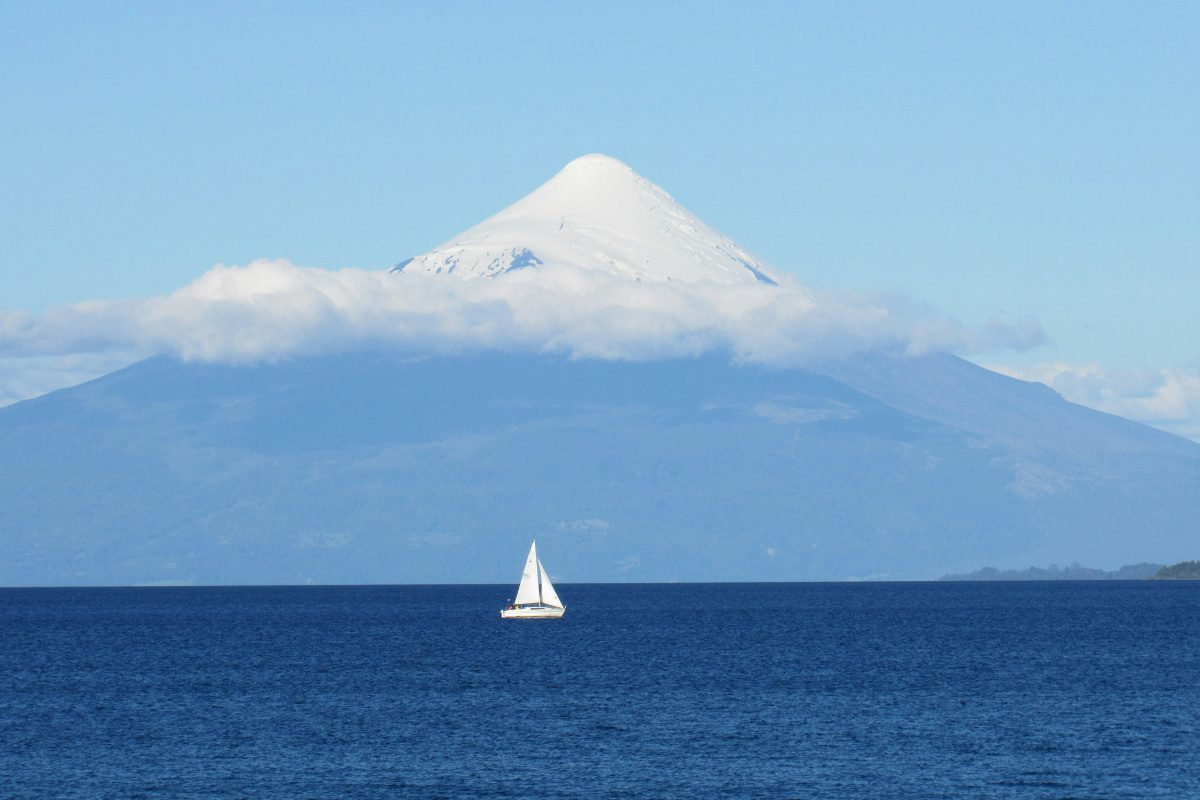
<point>596,214</point>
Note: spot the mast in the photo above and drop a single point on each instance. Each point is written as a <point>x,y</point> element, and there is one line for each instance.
<point>539,572</point>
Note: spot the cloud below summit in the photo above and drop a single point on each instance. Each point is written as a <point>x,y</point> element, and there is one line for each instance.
<point>271,310</point>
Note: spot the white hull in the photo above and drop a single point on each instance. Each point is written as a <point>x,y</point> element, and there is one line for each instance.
<point>545,612</point>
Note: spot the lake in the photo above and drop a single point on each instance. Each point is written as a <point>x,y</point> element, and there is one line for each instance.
<point>784,690</point>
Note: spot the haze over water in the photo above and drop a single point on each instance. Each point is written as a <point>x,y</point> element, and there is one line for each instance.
<point>1030,690</point>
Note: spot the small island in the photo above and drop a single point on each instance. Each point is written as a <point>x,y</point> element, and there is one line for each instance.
<point>1183,571</point>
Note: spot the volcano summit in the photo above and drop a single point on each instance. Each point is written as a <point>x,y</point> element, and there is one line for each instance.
<point>596,214</point>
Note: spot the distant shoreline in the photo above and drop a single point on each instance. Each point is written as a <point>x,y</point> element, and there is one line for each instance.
<point>1186,570</point>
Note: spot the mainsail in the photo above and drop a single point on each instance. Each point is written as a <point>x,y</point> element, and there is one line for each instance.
<point>528,592</point>
<point>549,597</point>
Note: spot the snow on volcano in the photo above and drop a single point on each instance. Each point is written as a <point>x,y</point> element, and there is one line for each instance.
<point>596,214</point>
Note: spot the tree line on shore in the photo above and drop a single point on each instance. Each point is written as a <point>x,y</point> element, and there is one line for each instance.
<point>1183,571</point>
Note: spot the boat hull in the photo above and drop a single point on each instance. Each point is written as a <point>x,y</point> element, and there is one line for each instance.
<point>545,612</point>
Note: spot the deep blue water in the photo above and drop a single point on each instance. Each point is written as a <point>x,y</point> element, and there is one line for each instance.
<point>1022,690</point>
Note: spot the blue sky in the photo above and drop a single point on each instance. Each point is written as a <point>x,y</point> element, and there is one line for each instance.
<point>988,159</point>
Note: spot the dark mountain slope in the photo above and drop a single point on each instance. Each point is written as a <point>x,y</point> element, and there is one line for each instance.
<point>1020,414</point>
<point>373,468</point>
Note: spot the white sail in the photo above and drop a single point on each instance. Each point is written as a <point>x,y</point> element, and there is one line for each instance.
<point>549,596</point>
<point>528,592</point>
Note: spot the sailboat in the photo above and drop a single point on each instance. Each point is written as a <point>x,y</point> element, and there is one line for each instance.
<point>536,597</point>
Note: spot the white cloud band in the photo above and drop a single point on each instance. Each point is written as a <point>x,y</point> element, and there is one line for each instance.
<point>272,309</point>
